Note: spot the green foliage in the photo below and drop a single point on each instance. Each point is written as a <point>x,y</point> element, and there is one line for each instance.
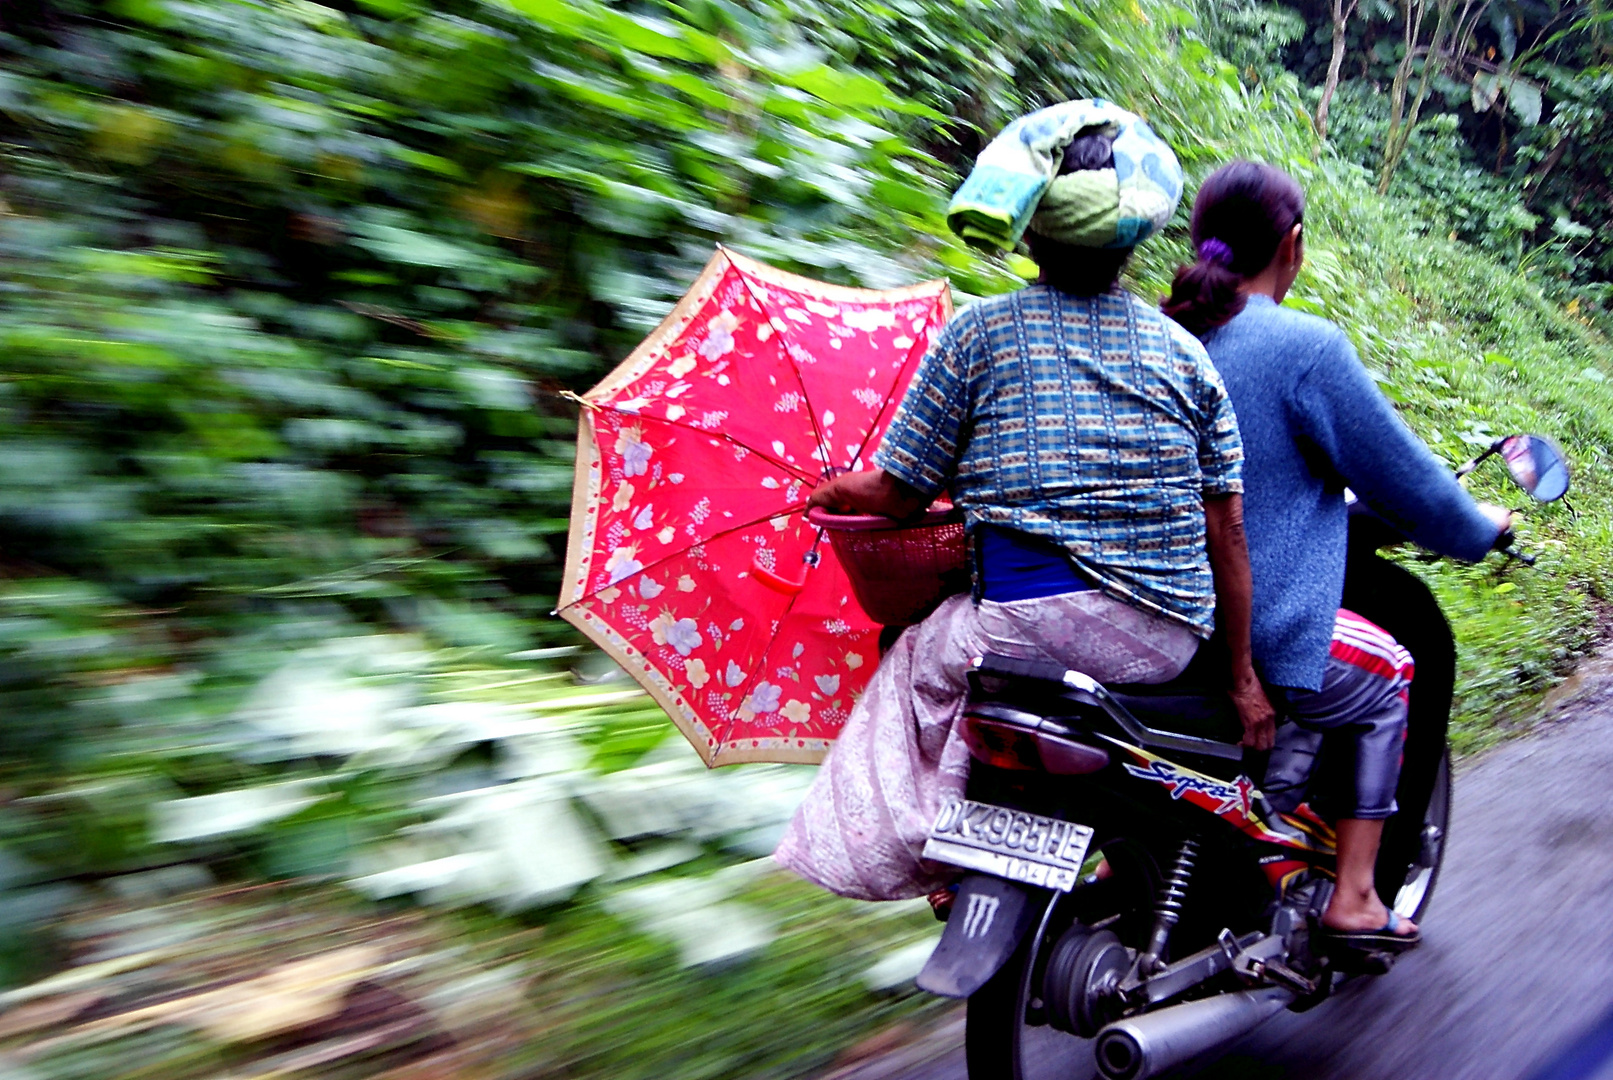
<point>1253,35</point>
<point>292,291</point>
<point>1439,175</point>
<point>1513,147</point>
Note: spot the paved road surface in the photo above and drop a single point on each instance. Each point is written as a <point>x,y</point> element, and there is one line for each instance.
<point>1515,978</point>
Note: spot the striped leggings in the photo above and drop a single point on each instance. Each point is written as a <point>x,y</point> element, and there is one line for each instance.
<point>1341,745</point>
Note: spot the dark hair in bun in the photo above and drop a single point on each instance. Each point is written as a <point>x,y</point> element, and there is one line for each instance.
<point>1240,216</point>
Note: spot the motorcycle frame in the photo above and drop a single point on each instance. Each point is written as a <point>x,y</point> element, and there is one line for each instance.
<point>1150,776</point>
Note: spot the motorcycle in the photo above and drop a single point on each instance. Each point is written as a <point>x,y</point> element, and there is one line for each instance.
<point>1126,882</point>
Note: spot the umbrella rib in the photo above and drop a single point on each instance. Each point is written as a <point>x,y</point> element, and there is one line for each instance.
<point>800,380</point>
<point>800,473</point>
<point>750,677</point>
<point>888,397</point>
<point>794,508</point>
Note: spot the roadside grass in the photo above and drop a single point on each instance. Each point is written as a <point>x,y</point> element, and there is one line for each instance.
<point>678,953</point>
<point>620,1006</point>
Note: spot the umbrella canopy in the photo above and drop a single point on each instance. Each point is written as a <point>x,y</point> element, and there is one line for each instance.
<point>690,558</point>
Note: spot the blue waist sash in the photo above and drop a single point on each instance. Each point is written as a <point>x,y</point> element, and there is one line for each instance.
<point>1015,565</point>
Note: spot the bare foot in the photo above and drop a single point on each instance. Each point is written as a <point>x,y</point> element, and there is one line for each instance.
<point>1355,913</point>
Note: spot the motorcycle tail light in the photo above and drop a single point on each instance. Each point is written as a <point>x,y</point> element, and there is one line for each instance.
<point>1007,745</point>
<point>1066,757</point>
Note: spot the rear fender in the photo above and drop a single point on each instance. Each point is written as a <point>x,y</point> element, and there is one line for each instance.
<point>988,920</point>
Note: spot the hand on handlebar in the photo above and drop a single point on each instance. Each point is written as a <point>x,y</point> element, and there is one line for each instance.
<point>1506,539</point>
<point>1501,516</point>
<point>1256,712</point>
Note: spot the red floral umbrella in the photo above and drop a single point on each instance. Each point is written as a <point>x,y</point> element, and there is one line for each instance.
<point>690,560</point>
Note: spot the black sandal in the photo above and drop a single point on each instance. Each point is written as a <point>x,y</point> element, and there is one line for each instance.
<point>1384,939</point>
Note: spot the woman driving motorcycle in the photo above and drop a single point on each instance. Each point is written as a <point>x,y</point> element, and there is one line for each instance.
<point>1092,448</point>
<point>1313,423</point>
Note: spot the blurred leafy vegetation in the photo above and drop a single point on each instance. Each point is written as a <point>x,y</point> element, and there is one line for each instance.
<point>292,295</point>
<point>304,981</point>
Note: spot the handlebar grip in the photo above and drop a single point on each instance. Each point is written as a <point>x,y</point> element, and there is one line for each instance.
<point>1506,545</point>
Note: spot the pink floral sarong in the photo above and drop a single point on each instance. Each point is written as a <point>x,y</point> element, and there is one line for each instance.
<point>864,821</point>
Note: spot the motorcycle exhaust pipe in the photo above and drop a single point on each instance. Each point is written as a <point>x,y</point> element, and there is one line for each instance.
<point>1149,1044</point>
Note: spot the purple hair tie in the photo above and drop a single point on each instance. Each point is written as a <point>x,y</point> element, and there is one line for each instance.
<point>1215,250</point>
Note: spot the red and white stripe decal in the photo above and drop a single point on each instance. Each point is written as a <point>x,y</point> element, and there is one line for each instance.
<point>1368,646</point>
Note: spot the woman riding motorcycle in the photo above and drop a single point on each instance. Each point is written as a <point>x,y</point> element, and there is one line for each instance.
<point>1092,448</point>
<point>1314,423</point>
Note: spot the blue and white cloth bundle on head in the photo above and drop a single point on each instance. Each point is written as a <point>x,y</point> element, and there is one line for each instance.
<point>1016,184</point>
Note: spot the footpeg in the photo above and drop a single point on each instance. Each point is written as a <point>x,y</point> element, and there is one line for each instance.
<point>1280,973</point>
<point>1378,963</point>
<point>1362,961</point>
<point>1263,962</point>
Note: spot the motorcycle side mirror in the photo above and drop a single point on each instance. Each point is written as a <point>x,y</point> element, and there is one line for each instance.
<point>1537,465</point>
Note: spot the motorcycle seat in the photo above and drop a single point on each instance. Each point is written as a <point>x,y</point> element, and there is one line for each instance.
<point>1181,709</point>
<point>1194,703</point>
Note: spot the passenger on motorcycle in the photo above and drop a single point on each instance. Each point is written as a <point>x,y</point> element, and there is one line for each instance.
<point>1091,445</point>
<point>1313,423</point>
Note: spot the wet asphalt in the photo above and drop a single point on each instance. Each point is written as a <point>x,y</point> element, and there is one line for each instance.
<point>1514,980</point>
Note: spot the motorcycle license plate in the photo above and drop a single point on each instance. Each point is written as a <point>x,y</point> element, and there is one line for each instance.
<point>1009,844</point>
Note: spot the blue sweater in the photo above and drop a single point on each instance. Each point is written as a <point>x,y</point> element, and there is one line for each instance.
<point>1313,423</point>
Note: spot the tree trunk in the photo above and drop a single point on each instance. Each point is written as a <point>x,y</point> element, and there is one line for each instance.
<point>1415,9</point>
<point>1450,40</point>
<point>1341,16</point>
<point>1403,122</point>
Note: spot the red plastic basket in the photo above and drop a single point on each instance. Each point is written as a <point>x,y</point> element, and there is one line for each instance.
<point>899,571</point>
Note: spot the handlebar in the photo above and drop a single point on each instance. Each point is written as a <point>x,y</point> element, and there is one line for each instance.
<point>1369,531</point>
<point>1537,465</point>
<point>1507,544</point>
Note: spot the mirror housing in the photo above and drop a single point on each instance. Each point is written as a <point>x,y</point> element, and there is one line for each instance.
<point>1537,465</point>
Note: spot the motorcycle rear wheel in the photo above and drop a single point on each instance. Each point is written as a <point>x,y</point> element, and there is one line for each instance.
<point>1006,1033</point>
<point>994,1022</point>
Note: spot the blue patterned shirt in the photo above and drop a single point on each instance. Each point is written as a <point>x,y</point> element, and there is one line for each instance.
<point>1096,422</point>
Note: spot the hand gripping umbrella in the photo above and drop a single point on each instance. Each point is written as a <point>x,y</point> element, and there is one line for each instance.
<point>690,559</point>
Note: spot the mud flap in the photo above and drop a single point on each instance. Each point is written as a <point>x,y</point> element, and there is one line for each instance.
<point>988,919</point>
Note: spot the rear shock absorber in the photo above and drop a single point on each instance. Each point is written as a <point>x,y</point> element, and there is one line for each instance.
<point>1169,911</point>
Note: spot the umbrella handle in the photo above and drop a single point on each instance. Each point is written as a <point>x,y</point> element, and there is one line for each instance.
<point>775,582</point>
